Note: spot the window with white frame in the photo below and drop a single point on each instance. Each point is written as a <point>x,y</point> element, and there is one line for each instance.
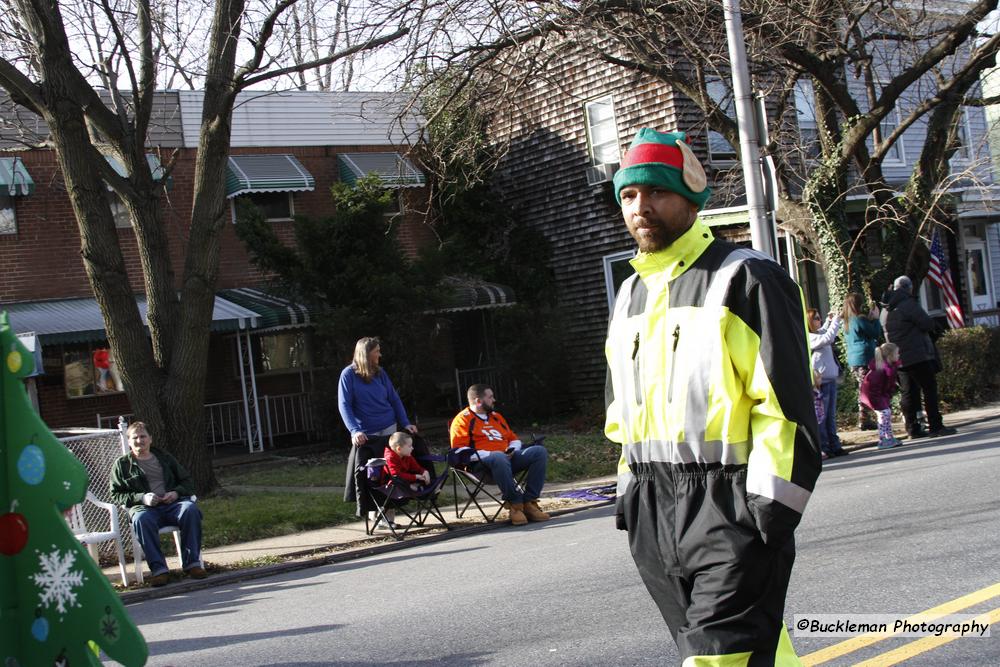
<point>8,221</point>
<point>805,111</point>
<point>602,131</point>
<point>118,211</point>
<point>286,351</point>
<point>963,137</point>
<point>896,153</point>
<point>616,269</point>
<point>89,370</point>
<point>275,206</point>
<point>931,299</point>
<point>720,150</point>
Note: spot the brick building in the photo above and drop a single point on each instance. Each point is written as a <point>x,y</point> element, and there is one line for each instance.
<point>287,151</point>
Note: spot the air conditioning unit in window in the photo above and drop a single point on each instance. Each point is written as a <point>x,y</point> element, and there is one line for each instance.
<point>601,173</point>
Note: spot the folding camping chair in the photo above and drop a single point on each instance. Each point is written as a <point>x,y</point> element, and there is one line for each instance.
<point>465,469</point>
<point>387,492</point>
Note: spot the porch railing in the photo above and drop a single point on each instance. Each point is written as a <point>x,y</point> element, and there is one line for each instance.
<point>989,317</point>
<point>504,386</point>
<point>225,423</point>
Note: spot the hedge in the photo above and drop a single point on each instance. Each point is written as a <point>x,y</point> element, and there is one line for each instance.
<point>970,374</point>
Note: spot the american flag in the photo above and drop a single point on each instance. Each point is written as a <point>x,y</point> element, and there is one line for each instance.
<point>940,275</point>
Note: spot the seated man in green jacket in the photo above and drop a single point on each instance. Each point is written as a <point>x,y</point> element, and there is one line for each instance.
<point>156,490</point>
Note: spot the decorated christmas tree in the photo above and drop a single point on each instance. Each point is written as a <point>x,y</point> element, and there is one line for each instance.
<point>56,605</point>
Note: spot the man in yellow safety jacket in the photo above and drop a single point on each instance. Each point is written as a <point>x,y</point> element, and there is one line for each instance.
<point>710,396</point>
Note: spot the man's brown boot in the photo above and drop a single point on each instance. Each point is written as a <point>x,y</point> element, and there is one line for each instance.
<point>158,580</point>
<point>517,517</point>
<point>534,512</point>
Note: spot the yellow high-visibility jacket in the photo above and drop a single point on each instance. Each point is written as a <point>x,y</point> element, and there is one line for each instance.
<point>708,366</point>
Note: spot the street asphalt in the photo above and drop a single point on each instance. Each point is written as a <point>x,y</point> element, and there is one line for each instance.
<point>888,532</point>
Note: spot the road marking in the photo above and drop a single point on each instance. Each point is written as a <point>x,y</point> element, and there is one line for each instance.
<point>923,645</point>
<point>861,641</point>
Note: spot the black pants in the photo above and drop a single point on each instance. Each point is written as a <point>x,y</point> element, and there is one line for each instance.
<point>719,588</point>
<point>914,380</point>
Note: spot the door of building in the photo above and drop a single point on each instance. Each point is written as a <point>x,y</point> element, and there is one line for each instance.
<point>977,274</point>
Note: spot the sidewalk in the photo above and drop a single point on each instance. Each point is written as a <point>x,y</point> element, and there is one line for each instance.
<point>338,543</point>
<point>348,541</point>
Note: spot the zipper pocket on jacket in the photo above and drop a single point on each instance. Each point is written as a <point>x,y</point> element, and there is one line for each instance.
<point>673,362</point>
<point>636,380</point>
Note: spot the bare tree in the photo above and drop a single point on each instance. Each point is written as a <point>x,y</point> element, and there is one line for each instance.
<point>98,100</point>
<point>871,70</point>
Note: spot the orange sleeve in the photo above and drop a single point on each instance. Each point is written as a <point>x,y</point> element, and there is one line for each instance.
<point>459,431</point>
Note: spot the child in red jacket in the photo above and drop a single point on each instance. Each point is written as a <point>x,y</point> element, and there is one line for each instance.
<point>877,389</point>
<point>400,462</point>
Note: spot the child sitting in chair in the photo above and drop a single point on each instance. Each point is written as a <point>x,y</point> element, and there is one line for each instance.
<point>400,462</point>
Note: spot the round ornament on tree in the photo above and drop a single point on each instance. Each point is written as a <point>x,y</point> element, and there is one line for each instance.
<point>13,532</point>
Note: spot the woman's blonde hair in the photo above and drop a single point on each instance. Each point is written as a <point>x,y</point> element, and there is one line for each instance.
<point>884,354</point>
<point>362,364</point>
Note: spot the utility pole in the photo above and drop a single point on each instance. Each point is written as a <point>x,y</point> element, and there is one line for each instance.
<point>761,227</point>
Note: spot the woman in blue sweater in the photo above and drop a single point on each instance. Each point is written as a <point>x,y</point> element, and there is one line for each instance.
<point>369,404</point>
<point>372,411</point>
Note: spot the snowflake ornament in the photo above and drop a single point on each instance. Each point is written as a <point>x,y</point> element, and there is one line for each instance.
<point>58,580</point>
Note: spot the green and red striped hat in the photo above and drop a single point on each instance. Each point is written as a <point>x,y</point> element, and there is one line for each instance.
<point>664,159</point>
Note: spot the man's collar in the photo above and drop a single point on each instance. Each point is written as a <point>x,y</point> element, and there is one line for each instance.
<point>678,257</point>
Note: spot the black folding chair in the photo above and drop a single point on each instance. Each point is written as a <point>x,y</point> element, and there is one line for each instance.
<point>357,483</point>
<point>474,476</point>
<point>387,492</point>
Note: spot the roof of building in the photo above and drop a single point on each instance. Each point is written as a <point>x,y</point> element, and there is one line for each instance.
<point>309,118</point>
<point>260,118</point>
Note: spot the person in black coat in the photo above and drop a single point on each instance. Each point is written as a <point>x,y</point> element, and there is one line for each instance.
<point>909,326</point>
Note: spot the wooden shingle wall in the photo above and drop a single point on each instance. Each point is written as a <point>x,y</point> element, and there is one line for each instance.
<point>543,181</point>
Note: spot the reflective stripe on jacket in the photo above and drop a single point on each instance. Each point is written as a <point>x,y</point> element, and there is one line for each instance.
<point>708,366</point>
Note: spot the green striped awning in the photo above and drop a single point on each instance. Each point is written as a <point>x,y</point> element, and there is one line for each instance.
<point>246,174</point>
<point>155,168</point>
<point>80,320</point>
<point>14,178</point>
<point>395,170</point>
<point>273,312</point>
<point>463,293</point>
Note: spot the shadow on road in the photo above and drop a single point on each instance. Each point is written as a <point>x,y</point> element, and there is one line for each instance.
<point>918,450</point>
<point>457,659</point>
<point>202,642</point>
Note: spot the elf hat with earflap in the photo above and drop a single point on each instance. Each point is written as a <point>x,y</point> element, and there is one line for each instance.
<point>663,159</point>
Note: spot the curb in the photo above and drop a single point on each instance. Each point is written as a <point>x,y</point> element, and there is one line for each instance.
<point>237,576</point>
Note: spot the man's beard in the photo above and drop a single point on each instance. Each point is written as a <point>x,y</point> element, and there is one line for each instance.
<point>659,239</point>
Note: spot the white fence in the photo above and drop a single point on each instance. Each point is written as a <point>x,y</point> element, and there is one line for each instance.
<point>225,423</point>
